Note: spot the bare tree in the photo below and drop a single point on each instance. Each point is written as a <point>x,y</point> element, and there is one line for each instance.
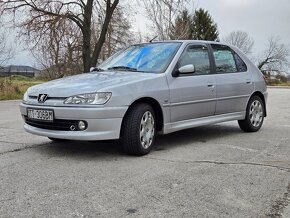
<point>162,14</point>
<point>241,40</point>
<point>58,51</point>
<point>79,12</point>
<point>6,50</point>
<point>276,54</point>
<point>119,34</point>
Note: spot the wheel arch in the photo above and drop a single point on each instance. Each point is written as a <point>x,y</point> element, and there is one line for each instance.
<point>260,94</point>
<point>156,107</point>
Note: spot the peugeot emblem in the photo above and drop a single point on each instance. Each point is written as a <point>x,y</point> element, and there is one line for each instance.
<point>42,98</point>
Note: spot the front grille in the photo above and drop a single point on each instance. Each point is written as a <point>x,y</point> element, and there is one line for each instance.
<point>48,98</point>
<point>62,125</point>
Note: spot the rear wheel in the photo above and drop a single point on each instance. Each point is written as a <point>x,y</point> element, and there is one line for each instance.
<point>138,130</point>
<point>254,115</point>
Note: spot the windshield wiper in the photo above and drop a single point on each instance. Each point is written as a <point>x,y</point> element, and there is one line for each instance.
<point>96,69</point>
<point>122,68</point>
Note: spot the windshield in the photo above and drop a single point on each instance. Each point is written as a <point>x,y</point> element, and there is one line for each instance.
<point>151,57</point>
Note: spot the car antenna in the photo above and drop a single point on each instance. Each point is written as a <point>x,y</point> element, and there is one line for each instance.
<point>153,39</point>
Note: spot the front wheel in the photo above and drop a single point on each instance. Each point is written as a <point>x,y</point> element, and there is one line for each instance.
<point>138,130</point>
<point>254,115</point>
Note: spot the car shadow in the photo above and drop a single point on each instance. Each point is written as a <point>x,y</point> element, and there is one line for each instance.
<point>202,134</point>
<point>84,149</point>
<point>163,142</point>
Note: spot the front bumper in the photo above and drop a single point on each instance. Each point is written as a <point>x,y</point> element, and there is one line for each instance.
<point>104,123</point>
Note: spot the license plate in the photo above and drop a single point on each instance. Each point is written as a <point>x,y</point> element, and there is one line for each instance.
<point>45,115</point>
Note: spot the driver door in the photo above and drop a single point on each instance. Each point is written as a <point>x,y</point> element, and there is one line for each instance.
<point>193,95</point>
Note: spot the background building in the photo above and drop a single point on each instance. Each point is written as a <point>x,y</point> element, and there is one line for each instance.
<point>19,70</point>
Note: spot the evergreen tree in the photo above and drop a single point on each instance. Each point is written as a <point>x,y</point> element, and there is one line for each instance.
<point>182,26</point>
<point>203,26</point>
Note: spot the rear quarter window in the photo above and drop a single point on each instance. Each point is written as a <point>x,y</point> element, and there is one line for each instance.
<point>241,66</point>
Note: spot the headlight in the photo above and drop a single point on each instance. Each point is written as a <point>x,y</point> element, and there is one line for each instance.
<point>25,97</point>
<point>89,98</point>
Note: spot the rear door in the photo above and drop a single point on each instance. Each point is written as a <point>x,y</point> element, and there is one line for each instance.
<point>234,82</point>
<point>193,95</point>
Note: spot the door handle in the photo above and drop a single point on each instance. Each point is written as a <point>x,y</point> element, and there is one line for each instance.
<point>210,85</point>
<point>248,81</point>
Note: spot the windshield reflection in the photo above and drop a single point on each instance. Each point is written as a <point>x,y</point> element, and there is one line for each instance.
<point>149,57</point>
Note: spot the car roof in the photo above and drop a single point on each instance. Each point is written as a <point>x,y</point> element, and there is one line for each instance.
<point>189,40</point>
<point>185,41</point>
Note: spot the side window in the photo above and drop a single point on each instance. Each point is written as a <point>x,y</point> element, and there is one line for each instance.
<point>224,59</point>
<point>198,56</point>
<point>242,67</point>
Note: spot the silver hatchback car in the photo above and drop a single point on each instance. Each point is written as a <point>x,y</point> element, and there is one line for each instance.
<point>144,89</point>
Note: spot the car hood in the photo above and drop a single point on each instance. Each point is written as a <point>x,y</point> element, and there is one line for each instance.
<point>87,83</point>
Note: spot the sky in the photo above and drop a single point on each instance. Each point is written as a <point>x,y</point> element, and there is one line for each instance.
<point>261,19</point>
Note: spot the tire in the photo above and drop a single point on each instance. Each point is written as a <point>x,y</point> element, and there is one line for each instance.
<point>57,140</point>
<point>138,130</point>
<point>254,115</point>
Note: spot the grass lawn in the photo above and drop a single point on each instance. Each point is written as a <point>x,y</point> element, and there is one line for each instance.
<point>280,84</point>
<point>14,87</point>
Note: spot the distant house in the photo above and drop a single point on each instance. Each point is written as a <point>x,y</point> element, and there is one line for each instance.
<point>19,70</point>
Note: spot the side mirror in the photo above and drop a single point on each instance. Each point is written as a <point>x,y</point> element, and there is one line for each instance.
<point>187,69</point>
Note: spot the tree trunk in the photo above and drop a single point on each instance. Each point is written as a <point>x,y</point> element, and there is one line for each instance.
<point>98,46</point>
<point>86,52</point>
<point>86,31</point>
<point>262,63</point>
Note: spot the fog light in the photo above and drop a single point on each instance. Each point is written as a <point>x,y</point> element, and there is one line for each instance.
<point>82,125</point>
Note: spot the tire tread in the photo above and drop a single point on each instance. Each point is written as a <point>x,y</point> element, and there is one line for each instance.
<point>245,124</point>
<point>130,130</point>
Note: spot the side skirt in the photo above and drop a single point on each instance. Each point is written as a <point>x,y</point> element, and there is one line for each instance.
<point>186,124</point>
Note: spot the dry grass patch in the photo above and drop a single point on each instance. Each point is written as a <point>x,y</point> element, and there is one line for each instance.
<point>14,87</point>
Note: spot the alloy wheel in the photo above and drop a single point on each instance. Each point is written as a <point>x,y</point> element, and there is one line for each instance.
<point>256,113</point>
<point>147,129</point>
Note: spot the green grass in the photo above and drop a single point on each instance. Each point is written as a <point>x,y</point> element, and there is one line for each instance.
<point>282,84</point>
<point>278,84</point>
<point>14,87</point>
